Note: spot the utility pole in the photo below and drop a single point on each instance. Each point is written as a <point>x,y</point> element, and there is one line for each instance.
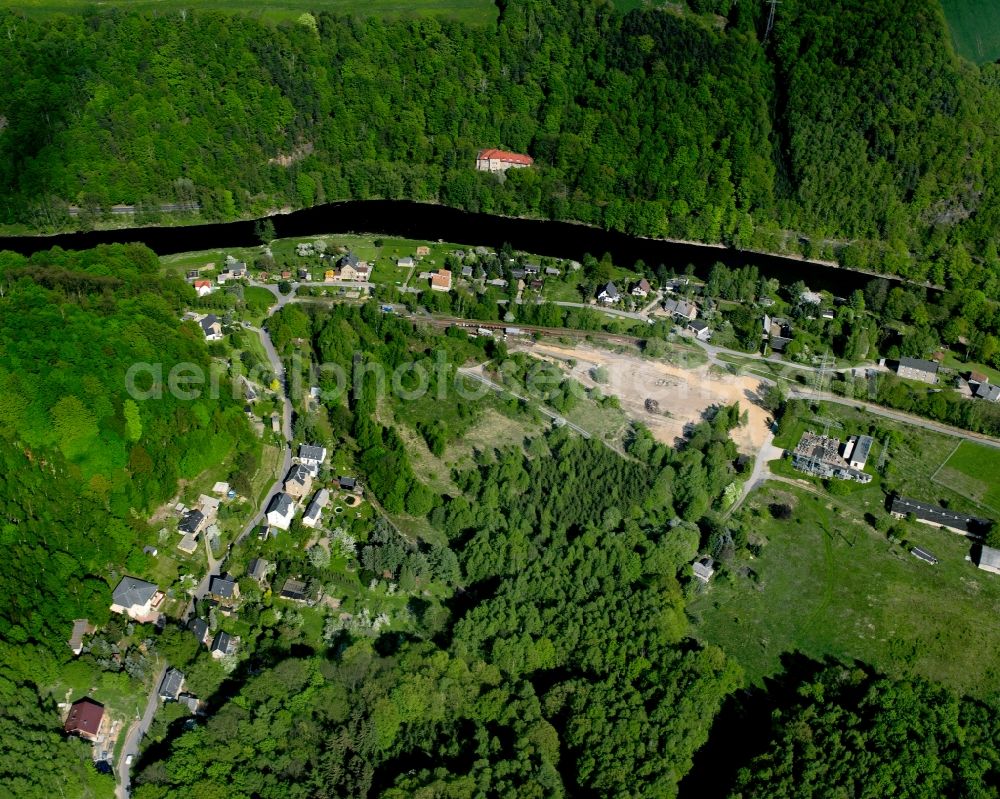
<point>770,17</point>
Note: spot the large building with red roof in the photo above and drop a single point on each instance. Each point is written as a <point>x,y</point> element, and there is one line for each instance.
<point>84,719</point>
<point>493,160</point>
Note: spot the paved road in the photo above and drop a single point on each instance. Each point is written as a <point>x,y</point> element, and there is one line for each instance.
<point>134,736</point>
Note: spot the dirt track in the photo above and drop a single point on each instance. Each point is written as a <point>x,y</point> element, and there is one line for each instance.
<point>683,393</point>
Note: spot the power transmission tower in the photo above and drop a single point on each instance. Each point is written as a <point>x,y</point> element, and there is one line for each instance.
<point>770,17</point>
<point>823,371</point>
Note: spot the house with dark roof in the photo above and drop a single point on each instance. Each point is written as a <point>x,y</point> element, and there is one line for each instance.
<point>681,310</point>
<point>211,327</point>
<point>936,516</point>
<point>85,719</point>
<point>987,392</point>
<point>137,599</point>
<point>856,451</point>
<point>257,569</point>
<point>171,685</point>
<point>349,484</point>
<point>281,511</point>
<point>312,456</point>
<point>224,588</point>
<point>608,293</point>
<point>294,590</point>
<point>224,644</point>
<point>701,330</point>
<point>192,522</point>
<point>200,629</point>
<point>319,501</point>
<point>917,369</point>
<point>298,482</point>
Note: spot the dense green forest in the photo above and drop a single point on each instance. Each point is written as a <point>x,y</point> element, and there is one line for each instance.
<point>854,125</point>
<point>80,462</point>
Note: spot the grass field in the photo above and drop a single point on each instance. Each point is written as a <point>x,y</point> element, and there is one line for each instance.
<point>476,12</point>
<point>975,28</point>
<point>827,584</point>
<point>974,472</point>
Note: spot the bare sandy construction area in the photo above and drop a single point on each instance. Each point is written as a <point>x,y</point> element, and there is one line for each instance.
<point>683,394</point>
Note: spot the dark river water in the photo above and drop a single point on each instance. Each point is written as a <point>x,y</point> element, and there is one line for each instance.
<point>432,222</point>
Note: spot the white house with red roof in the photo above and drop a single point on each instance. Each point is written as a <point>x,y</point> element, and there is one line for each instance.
<point>493,160</point>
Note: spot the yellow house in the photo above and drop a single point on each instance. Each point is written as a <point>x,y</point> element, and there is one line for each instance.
<point>329,275</point>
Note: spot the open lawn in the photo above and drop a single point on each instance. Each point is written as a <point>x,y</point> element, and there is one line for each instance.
<point>474,12</point>
<point>974,472</point>
<point>975,28</point>
<point>827,584</point>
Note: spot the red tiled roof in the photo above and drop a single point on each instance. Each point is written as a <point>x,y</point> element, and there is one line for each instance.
<point>85,717</point>
<point>200,283</point>
<point>503,155</point>
<point>441,278</point>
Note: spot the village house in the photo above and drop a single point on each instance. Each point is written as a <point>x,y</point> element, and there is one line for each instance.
<point>936,516</point>
<point>257,570</point>
<point>681,310</point>
<point>703,569</point>
<point>224,588</point>
<point>493,160</point>
<point>85,719</point>
<point>551,271</point>
<point>441,280</point>
<point>223,645</point>
<point>918,369</point>
<point>81,627</point>
<point>200,629</point>
<point>136,599</point>
<point>298,482</point>
<point>985,391</point>
<point>211,327</point>
<point>406,262</point>
<point>315,509</point>
<point>532,269</point>
<point>171,685</point>
<point>188,544</point>
<point>281,511</point>
<point>608,294</point>
<point>192,522</point>
<point>467,271</point>
<point>312,456</point>
<point>701,330</point>
<point>351,268</point>
<point>349,484</point>
<point>295,590</point>
<point>642,288</point>
<point>203,287</point>
<point>329,275</point>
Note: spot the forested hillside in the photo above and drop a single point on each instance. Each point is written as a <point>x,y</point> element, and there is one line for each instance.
<point>854,125</point>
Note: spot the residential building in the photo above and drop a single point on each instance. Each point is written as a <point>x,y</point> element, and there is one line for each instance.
<point>406,262</point>
<point>298,482</point>
<point>988,392</point>
<point>188,544</point>
<point>467,271</point>
<point>551,271</point>
<point>294,590</point>
<point>85,719</point>
<point>532,269</point>
<point>936,516</point>
<point>258,570</point>
<point>493,160</point>
<point>200,629</point>
<point>329,275</point>
<point>988,559</point>
<point>315,509</point>
<point>81,627</point>
<point>192,522</point>
<point>171,685</point>
<point>224,588</point>
<point>211,327</point>
<point>203,287</point>
<point>312,456</point>
<point>918,369</point>
<point>136,599</point>
<point>224,644</point>
<point>608,294</point>
<point>281,511</point>
<point>441,280</point>
<point>642,288</point>
<point>681,310</point>
<point>349,484</point>
<point>701,330</point>
<point>703,569</point>
<point>821,456</point>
